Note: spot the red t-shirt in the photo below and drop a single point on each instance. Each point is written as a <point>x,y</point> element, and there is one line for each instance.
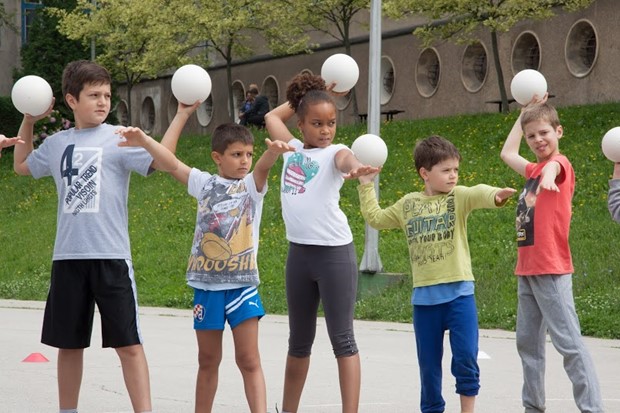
<point>543,222</point>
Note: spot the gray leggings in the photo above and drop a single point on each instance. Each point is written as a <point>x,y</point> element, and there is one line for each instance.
<point>323,274</point>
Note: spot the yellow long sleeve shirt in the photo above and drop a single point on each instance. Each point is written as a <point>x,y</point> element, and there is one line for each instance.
<point>435,228</point>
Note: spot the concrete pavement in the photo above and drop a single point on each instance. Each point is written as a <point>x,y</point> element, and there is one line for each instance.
<point>390,380</point>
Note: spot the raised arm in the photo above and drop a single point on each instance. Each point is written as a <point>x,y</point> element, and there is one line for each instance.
<point>510,151</point>
<point>275,121</point>
<point>613,197</point>
<point>163,159</point>
<point>26,130</point>
<point>267,160</point>
<point>172,135</point>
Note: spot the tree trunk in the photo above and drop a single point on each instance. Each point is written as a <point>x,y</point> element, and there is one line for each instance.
<point>129,88</point>
<point>231,98</point>
<point>499,72</point>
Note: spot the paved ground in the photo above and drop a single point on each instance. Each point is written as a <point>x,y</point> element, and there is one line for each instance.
<point>389,370</point>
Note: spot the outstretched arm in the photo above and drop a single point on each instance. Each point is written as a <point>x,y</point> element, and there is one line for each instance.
<point>275,121</point>
<point>266,161</point>
<point>502,196</point>
<point>6,142</point>
<point>163,159</point>
<point>26,130</point>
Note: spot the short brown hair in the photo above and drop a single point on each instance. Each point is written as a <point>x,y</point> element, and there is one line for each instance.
<point>544,112</point>
<point>229,133</point>
<point>79,73</point>
<point>432,150</point>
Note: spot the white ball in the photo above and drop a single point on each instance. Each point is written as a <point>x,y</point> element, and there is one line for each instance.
<point>32,94</point>
<point>342,69</point>
<point>611,144</point>
<point>191,83</point>
<point>526,84</point>
<point>370,150</point>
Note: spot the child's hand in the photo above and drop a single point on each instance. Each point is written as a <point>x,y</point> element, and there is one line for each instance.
<point>6,142</point>
<point>278,147</point>
<point>547,182</point>
<point>364,173</point>
<point>504,194</point>
<point>330,89</point>
<point>537,100</point>
<point>35,119</point>
<point>182,108</point>
<point>133,136</point>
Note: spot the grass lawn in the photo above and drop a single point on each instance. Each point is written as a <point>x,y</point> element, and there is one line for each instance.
<point>162,217</point>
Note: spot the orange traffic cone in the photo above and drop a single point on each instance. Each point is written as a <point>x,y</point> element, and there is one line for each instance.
<point>35,358</point>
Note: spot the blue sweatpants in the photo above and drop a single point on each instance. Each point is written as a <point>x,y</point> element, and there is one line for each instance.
<point>430,323</point>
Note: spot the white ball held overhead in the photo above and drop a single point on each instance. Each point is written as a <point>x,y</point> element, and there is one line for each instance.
<point>526,84</point>
<point>611,144</point>
<point>32,94</point>
<point>370,150</point>
<point>342,69</point>
<point>191,83</point>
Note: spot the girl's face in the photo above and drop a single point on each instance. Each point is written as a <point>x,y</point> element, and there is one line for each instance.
<point>318,127</point>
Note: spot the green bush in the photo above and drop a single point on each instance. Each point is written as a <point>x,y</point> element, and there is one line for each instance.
<point>10,118</point>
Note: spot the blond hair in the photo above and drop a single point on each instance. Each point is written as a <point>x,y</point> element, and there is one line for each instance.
<point>544,112</point>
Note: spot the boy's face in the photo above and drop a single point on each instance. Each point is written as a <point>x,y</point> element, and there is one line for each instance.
<point>235,162</point>
<point>319,125</point>
<point>92,107</point>
<point>542,138</point>
<point>441,178</point>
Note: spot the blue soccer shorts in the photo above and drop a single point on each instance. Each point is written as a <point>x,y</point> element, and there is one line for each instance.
<point>213,308</point>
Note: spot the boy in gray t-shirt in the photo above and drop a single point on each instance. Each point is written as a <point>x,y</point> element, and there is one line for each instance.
<point>91,166</point>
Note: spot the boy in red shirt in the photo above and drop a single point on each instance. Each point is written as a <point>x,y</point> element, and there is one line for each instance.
<point>544,263</point>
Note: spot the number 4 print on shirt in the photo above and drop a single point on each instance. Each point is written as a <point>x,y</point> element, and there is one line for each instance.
<point>66,165</point>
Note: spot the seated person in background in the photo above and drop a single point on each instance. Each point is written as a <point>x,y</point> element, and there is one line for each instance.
<point>247,104</point>
<point>255,116</point>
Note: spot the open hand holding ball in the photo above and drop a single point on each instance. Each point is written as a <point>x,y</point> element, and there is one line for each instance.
<point>32,95</point>
<point>342,70</point>
<point>526,84</point>
<point>191,83</point>
<point>611,144</point>
<point>370,150</point>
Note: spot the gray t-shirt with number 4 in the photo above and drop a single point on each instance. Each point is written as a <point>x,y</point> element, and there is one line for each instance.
<point>91,173</point>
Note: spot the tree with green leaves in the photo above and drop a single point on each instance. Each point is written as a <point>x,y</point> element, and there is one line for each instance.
<point>335,18</point>
<point>237,29</point>
<point>47,52</point>
<point>461,20</point>
<point>134,40</point>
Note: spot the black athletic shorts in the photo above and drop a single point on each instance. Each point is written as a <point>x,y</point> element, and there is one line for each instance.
<point>76,285</point>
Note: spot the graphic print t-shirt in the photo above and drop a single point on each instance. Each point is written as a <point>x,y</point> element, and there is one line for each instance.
<point>543,222</point>
<point>310,195</point>
<point>91,173</point>
<point>227,229</point>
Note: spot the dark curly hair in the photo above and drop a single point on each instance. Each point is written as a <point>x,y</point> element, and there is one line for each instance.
<point>306,89</point>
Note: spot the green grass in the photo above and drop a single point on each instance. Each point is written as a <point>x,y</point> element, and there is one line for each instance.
<point>162,218</point>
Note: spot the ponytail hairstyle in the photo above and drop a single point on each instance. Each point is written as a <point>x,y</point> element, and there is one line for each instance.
<point>305,90</point>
